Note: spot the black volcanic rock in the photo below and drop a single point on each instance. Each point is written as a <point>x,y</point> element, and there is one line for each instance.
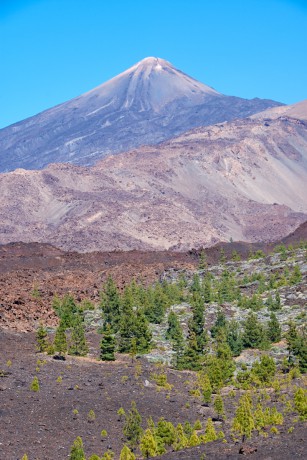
<point>148,103</point>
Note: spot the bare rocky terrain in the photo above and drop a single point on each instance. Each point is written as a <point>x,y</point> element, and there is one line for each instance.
<point>244,180</point>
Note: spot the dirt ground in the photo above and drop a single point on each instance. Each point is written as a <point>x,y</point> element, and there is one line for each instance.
<point>43,425</point>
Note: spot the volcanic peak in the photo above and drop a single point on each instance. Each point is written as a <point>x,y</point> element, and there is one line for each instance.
<point>151,84</point>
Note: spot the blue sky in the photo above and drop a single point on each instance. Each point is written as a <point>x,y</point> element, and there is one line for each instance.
<point>54,50</point>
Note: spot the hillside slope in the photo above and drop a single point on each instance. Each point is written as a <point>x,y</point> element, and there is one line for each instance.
<point>244,180</point>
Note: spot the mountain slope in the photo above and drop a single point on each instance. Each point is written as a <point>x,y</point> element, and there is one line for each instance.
<point>148,103</point>
<point>298,111</point>
<point>243,180</point>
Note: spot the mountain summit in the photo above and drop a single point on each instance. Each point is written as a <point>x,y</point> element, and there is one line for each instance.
<point>151,84</point>
<point>150,102</point>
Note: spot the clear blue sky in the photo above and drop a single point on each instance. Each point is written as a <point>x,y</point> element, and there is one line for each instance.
<point>54,50</point>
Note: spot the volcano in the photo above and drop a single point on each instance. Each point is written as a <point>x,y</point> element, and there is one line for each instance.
<point>150,102</point>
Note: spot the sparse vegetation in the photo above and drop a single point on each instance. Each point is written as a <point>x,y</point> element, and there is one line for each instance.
<point>192,321</point>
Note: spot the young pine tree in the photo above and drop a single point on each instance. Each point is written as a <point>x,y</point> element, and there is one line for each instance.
<point>191,358</point>
<point>202,264</point>
<point>142,332</point>
<point>108,455</point>
<point>165,434</point>
<point>127,323</point>
<point>41,339</point>
<point>243,422</point>
<point>132,427</point>
<point>148,444</point>
<point>77,452</point>
<point>78,345</point>
<point>126,454</point>
<point>274,329</point>
<point>264,369</point>
<point>173,326</point>
<point>210,433</point>
<point>181,441</point>
<point>205,387</point>
<point>197,322</point>
<point>35,384</point>
<point>220,323</point>
<point>60,341</point>
<point>107,345</point>
<point>234,337</point>
<point>219,406</point>
<point>253,333</point>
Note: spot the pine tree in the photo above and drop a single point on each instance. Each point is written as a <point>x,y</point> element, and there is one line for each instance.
<point>219,406</point>
<point>222,256</point>
<point>196,324</point>
<point>77,452</point>
<point>205,387</point>
<point>142,332</point>
<point>277,303</point>
<point>220,367</point>
<point>60,341</point>
<point>235,256</point>
<point>220,323</point>
<point>173,325</point>
<point>181,441</point>
<point>274,329</point>
<point>207,289</point>
<point>227,290</point>
<point>195,286</point>
<point>148,444</point>
<point>35,384</point>
<point>107,345</point>
<point>194,440</point>
<point>259,418</point>
<point>210,433</point>
<point>300,402</point>
<point>202,265</point>
<point>78,345</point>
<point>132,426</point>
<point>187,428</point>
<point>156,309</point>
<point>296,276</point>
<point>41,339</point>
<point>253,333</point>
<point>126,324</point>
<point>126,454</point>
<point>110,304</point>
<point>65,309</point>
<point>264,369</point>
<point>164,433</point>
<point>178,348</point>
<point>191,357</point>
<point>297,346</point>
<point>243,422</point>
<point>108,455</point>
<point>234,337</point>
